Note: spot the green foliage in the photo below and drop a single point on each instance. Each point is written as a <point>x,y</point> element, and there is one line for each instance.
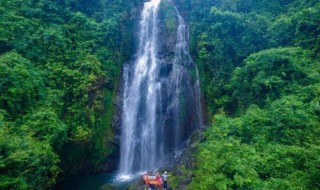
<point>218,46</point>
<point>222,40</point>
<point>263,149</point>
<point>269,74</point>
<point>169,17</point>
<point>259,68</point>
<point>59,67</point>
<point>307,28</point>
<point>26,163</point>
<point>21,84</point>
<point>44,125</point>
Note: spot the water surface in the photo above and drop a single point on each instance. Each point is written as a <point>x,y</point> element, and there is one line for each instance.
<point>108,181</point>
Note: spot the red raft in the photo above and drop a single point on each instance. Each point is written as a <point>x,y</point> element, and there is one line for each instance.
<point>153,180</point>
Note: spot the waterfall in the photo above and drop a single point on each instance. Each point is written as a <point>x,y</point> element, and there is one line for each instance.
<point>160,111</point>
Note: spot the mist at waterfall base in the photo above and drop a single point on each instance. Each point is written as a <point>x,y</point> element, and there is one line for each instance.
<point>161,96</point>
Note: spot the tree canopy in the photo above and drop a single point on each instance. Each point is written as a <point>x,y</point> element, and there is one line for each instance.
<point>60,63</point>
<point>259,69</point>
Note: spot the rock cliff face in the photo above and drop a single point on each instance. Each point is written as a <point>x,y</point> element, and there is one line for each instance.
<point>165,101</point>
<point>167,40</point>
<point>176,162</point>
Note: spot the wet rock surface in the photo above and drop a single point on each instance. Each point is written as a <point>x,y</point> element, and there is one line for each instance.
<point>184,163</point>
<point>179,165</point>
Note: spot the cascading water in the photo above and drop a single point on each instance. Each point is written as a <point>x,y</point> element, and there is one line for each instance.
<point>161,99</point>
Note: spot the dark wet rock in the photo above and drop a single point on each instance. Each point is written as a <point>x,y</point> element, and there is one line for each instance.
<point>108,166</point>
<point>136,185</point>
<point>183,161</point>
<point>117,104</point>
<point>107,187</point>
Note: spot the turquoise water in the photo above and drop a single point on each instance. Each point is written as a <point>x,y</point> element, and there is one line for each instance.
<point>93,182</point>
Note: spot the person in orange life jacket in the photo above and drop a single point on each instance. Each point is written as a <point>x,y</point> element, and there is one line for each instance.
<point>158,177</point>
<point>152,177</point>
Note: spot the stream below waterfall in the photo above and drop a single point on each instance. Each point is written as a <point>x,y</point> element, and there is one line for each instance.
<point>106,181</point>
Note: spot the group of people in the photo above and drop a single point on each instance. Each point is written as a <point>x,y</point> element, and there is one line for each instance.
<point>153,180</point>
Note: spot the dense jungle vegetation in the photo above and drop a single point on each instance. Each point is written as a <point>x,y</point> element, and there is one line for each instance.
<point>260,73</point>
<point>60,63</point>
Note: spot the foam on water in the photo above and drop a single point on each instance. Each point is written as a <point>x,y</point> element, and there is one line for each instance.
<point>123,178</point>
